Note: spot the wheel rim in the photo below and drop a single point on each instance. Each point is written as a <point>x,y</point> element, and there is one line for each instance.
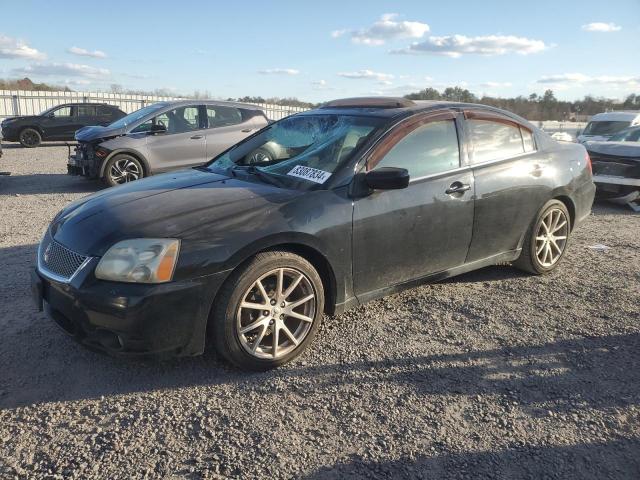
<point>276,313</point>
<point>260,157</point>
<point>29,137</point>
<point>124,170</point>
<point>551,238</point>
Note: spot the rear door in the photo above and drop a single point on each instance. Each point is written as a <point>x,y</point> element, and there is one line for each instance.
<point>511,181</point>
<point>402,235</point>
<point>183,144</point>
<point>87,115</point>
<point>226,126</point>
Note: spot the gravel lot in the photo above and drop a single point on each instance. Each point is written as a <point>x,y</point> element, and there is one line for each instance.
<point>493,374</point>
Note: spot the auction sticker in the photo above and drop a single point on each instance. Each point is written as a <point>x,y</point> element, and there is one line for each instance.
<point>311,174</point>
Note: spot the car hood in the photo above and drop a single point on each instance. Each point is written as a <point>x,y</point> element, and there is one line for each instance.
<point>88,134</point>
<point>618,149</point>
<point>25,117</point>
<point>181,204</point>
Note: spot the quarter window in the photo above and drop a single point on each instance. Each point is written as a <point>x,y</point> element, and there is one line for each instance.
<point>527,140</point>
<point>220,116</point>
<point>495,140</point>
<point>86,111</point>
<point>427,150</point>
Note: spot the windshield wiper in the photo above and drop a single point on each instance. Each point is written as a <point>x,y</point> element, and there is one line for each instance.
<point>255,171</point>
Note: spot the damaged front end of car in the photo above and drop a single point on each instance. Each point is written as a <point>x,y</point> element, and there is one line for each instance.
<point>89,154</point>
<point>616,173</point>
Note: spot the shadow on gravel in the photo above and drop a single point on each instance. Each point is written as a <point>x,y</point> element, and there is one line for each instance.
<point>615,459</point>
<point>11,146</point>
<point>47,183</point>
<point>494,273</point>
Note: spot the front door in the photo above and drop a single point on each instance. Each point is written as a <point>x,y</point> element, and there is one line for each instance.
<point>183,144</point>
<point>403,235</point>
<point>60,124</point>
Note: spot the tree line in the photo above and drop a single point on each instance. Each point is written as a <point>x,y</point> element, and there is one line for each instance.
<point>534,106</point>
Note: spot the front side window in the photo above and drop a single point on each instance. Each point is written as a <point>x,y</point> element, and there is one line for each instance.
<point>304,150</point>
<point>629,135</point>
<point>221,116</point>
<point>179,120</point>
<point>494,140</point>
<point>427,150</point>
<point>62,112</point>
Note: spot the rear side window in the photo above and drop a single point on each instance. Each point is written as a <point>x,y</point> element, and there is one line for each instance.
<point>429,149</point>
<point>86,111</point>
<point>527,140</point>
<point>104,110</point>
<point>493,140</point>
<point>220,116</point>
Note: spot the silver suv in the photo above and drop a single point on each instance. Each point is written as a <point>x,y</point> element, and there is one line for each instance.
<point>161,137</point>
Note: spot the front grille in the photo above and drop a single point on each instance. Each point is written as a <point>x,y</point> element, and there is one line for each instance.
<point>59,260</point>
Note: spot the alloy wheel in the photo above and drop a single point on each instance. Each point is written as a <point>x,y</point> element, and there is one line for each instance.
<point>551,238</point>
<point>29,138</point>
<point>124,170</point>
<point>276,313</point>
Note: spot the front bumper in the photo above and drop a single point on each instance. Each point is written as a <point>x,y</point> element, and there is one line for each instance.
<point>130,319</point>
<point>83,162</point>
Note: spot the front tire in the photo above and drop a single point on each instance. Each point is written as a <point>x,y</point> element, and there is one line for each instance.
<point>268,311</point>
<point>122,168</point>
<point>30,138</point>
<point>546,239</point>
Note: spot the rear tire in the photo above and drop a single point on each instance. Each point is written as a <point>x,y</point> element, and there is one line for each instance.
<point>30,138</point>
<point>255,311</point>
<point>122,168</point>
<point>546,239</point>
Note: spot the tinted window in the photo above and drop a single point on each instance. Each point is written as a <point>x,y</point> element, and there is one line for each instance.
<point>494,140</point>
<point>605,128</point>
<point>429,149</point>
<point>86,110</point>
<point>219,116</point>
<point>179,120</point>
<point>62,112</point>
<point>629,135</point>
<point>104,110</point>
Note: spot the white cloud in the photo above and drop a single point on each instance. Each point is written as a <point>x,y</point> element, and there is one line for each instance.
<point>63,69</point>
<point>366,74</point>
<point>83,52</point>
<point>567,80</point>
<point>385,29</point>
<point>458,45</point>
<point>496,84</point>
<point>279,71</point>
<point>601,27</point>
<point>14,48</point>
<point>321,85</point>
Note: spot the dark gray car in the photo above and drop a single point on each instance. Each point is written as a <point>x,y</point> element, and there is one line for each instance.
<point>162,137</point>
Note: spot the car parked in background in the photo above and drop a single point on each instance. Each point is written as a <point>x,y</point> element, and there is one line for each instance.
<point>351,201</point>
<point>616,167</point>
<point>162,137</point>
<point>58,123</point>
<point>604,125</point>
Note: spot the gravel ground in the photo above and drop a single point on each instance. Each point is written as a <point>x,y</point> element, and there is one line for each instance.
<point>492,374</point>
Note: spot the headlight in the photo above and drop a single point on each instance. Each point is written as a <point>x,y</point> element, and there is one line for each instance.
<point>140,260</point>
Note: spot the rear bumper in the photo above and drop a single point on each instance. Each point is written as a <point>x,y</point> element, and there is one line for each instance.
<point>130,319</point>
<point>583,199</point>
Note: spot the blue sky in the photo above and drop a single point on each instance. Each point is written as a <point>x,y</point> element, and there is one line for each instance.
<point>321,50</point>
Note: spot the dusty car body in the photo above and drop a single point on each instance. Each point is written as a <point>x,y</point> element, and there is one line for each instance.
<point>162,137</point>
<point>363,197</point>
<point>616,170</point>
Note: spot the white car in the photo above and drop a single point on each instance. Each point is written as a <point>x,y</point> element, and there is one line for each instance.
<point>603,125</point>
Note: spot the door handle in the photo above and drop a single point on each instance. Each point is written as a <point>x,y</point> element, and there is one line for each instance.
<point>457,187</point>
<point>247,130</point>
<point>196,137</point>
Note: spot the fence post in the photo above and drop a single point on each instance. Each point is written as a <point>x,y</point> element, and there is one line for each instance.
<point>16,106</point>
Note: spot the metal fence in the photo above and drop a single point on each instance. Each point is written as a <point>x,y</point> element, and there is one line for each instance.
<point>20,102</point>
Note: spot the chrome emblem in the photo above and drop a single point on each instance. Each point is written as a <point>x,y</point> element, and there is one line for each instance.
<point>47,251</point>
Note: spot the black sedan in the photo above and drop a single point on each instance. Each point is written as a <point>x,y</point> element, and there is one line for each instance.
<point>58,123</point>
<point>313,214</point>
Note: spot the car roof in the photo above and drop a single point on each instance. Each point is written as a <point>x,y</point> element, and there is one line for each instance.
<point>397,107</point>
<point>632,116</point>
<point>221,103</point>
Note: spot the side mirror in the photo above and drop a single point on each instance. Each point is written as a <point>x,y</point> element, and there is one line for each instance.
<point>157,129</point>
<point>387,178</point>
